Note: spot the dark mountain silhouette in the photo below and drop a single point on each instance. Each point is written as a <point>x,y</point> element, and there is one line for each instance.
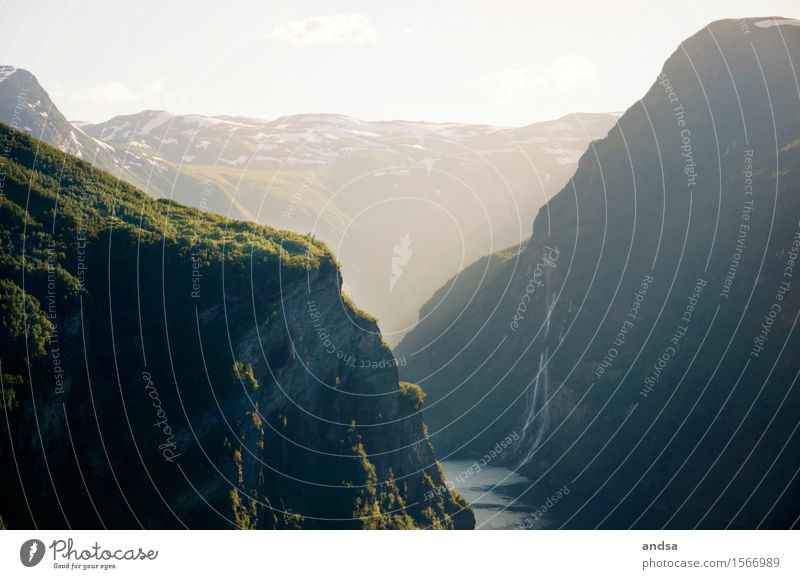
<point>643,343</point>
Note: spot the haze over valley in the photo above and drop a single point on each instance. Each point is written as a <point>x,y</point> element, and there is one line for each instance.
<point>433,196</point>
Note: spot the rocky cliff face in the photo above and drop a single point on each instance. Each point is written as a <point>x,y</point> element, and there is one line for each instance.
<point>166,368</point>
<point>641,343</point>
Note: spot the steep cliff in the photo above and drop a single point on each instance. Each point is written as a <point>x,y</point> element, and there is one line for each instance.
<point>162,368</point>
<point>643,343</point>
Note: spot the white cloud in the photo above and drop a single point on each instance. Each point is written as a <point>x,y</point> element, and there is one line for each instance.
<point>570,71</point>
<point>409,31</point>
<point>352,28</point>
<point>113,92</point>
<point>563,75</point>
<point>116,92</point>
<point>507,83</point>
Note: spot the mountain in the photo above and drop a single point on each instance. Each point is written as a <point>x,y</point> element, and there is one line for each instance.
<point>27,107</point>
<point>642,345</point>
<point>163,367</point>
<point>404,205</point>
<point>449,192</point>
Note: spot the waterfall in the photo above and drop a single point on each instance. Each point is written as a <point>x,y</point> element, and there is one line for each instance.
<point>538,396</point>
<point>538,409</point>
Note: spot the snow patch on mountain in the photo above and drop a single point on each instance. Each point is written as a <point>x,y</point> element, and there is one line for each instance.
<point>361,133</point>
<point>159,119</point>
<point>564,156</point>
<point>6,71</point>
<point>777,22</point>
<point>110,132</point>
<point>240,160</point>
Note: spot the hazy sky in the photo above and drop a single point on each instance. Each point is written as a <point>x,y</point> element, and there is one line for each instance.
<point>501,62</point>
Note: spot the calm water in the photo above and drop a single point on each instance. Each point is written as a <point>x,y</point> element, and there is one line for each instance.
<point>490,493</point>
<point>501,499</point>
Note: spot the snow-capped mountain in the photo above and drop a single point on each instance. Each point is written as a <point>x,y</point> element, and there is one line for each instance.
<point>26,106</point>
<point>440,194</point>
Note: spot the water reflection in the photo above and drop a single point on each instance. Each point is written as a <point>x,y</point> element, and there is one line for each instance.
<point>497,495</point>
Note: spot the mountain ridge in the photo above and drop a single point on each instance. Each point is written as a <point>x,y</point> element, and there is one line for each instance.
<point>339,178</point>
<point>656,416</point>
<point>170,370</point>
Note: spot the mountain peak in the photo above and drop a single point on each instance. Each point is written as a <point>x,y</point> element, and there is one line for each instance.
<point>6,71</point>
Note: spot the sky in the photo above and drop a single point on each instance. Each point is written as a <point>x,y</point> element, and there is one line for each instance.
<point>501,62</point>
